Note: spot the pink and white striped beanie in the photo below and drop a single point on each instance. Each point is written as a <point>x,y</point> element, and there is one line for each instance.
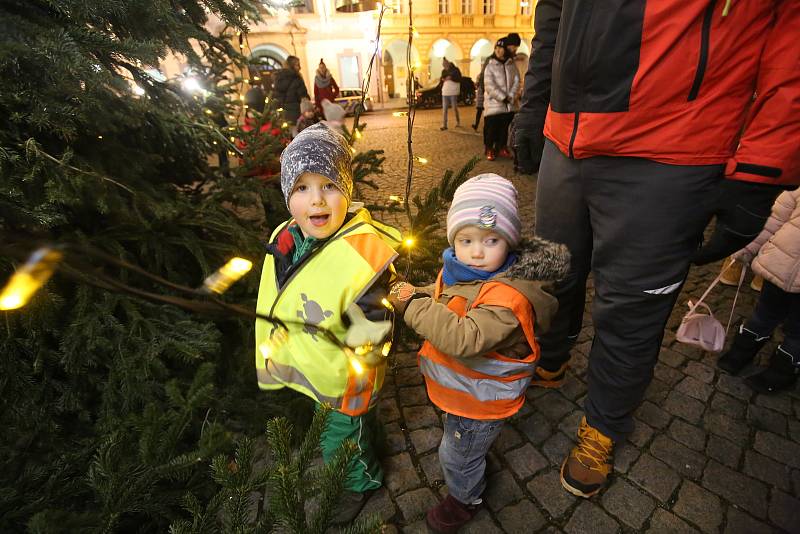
<point>487,201</point>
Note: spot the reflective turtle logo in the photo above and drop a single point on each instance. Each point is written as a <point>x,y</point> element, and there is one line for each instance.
<point>313,314</point>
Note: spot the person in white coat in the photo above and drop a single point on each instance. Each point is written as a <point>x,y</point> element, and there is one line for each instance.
<point>451,87</point>
<point>500,82</point>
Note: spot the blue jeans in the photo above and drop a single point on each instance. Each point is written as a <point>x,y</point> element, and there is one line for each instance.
<point>450,102</point>
<point>462,453</point>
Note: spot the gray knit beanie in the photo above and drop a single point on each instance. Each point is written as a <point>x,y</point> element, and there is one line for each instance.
<point>320,150</point>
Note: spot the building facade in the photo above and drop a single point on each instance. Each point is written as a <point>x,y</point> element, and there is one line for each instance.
<point>343,34</point>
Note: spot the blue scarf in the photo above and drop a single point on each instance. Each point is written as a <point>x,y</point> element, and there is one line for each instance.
<point>454,271</point>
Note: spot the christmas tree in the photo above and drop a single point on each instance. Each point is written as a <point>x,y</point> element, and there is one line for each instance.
<point>113,406</point>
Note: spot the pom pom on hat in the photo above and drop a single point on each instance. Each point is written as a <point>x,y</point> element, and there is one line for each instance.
<point>487,201</point>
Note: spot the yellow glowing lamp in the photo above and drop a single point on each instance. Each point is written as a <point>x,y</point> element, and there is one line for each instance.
<point>225,276</point>
<point>29,278</point>
<point>409,242</point>
<point>278,338</point>
<point>357,367</point>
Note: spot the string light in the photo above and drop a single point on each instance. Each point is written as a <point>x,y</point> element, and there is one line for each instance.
<point>29,278</point>
<point>99,136</point>
<point>225,276</point>
<point>421,160</point>
<point>409,241</point>
<point>285,125</point>
<point>387,304</point>
<point>256,78</point>
<point>353,149</point>
<point>357,134</point>
<point>277,339</point>
<point>208,112</point>
<point>396,198</point>
<point>386,348</point>
<point>400,114</point>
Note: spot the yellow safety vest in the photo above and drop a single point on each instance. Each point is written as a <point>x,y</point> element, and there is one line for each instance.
<point>335,275</point>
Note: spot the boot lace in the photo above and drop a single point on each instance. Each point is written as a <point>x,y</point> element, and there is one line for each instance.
<point>593,450</point>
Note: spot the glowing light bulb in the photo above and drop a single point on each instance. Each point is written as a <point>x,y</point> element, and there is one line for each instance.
<point>285,125</point>
<point>357,134</point>
<point>396,198</point>
<point>29,278</point>
<point>225,276</point>
<point>386,348</point>
<point>400,114</point>
<point>191,85</point>
<point>421,160</point>
<point>409,242</point>
<point>387,304</point>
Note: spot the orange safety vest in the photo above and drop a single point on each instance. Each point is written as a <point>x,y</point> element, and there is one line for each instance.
<point>485,387</point>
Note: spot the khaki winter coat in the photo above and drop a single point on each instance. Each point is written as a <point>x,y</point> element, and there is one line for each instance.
<point>492,328</point>
<point>778,245</point>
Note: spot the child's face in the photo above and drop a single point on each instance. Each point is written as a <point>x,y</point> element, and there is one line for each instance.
<point>317,205</point>
<point>480,248</point>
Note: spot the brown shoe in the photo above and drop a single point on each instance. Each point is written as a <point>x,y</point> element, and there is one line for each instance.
<point>585,471</point>
<point>542,378</point>
<point>450,515</point>
<point>731,276</point>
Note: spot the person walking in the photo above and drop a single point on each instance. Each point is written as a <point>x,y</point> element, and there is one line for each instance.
<point>501,80</point>
<point>451,88</point>
<point>777,259</point>
<point>636,150</point>
<point>513,41</point>
<point>289,89</point>
<point>325,87</point>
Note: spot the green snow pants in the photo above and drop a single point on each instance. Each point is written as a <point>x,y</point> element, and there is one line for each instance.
<point>364,472</point>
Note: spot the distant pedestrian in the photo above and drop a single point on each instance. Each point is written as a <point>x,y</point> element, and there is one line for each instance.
<point>308,115</point>
<point>325,86</point>
<point>513,41</point>
<point>451,88</point>
<point>777,259</point>
<point>500,80</point>
<point>289,89</point>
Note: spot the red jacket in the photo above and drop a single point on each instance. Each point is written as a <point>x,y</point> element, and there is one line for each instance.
<point>671,82</point>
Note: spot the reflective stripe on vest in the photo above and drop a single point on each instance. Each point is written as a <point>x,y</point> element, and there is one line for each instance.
<point>317,292</point>
<point>491,386</point>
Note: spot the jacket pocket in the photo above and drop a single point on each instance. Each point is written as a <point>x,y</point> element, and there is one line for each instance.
<point>702,62</point>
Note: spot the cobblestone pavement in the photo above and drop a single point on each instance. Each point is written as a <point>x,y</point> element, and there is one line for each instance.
<point>708,455</point>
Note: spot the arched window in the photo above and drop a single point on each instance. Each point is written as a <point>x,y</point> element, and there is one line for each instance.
<point>263,62</point>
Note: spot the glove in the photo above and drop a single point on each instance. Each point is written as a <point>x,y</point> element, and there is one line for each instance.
<point>741,210</point>
<point>528,144</point>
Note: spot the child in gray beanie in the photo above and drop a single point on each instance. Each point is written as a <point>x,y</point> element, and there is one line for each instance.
<point>329,266</point>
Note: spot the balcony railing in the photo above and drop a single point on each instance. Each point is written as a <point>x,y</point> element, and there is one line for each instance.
<point>467,20</point>
<point>444,20</point>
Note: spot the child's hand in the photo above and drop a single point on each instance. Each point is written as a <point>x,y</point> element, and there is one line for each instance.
<point>400,294</point>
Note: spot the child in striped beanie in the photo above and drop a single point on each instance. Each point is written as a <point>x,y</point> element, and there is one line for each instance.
<point>480,321</point>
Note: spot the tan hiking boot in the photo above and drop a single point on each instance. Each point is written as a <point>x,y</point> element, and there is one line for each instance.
<point>542,378</point>
<point>586,469</point>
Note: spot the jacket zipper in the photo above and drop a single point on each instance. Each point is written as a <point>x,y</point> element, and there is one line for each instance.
<point>702,62</point>
<point>579,99</point>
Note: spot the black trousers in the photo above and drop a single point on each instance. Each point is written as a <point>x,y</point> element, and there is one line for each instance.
<point>634,223</point>
<point>776,306</point>
<point>495,130</point>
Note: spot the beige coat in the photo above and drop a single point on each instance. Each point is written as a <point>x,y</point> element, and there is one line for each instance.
<point>492,328</point>
<point>777,247</point>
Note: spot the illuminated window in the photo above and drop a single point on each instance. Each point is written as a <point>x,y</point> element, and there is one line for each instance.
<point>444,7</point>
<point>525,7</point>
<point>466,7</point>
<point>488,7</point>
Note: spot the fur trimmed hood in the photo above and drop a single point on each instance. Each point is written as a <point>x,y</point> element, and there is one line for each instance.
<point>541,260</point>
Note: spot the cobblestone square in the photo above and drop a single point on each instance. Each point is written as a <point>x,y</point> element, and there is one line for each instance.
<point>708,455</point>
